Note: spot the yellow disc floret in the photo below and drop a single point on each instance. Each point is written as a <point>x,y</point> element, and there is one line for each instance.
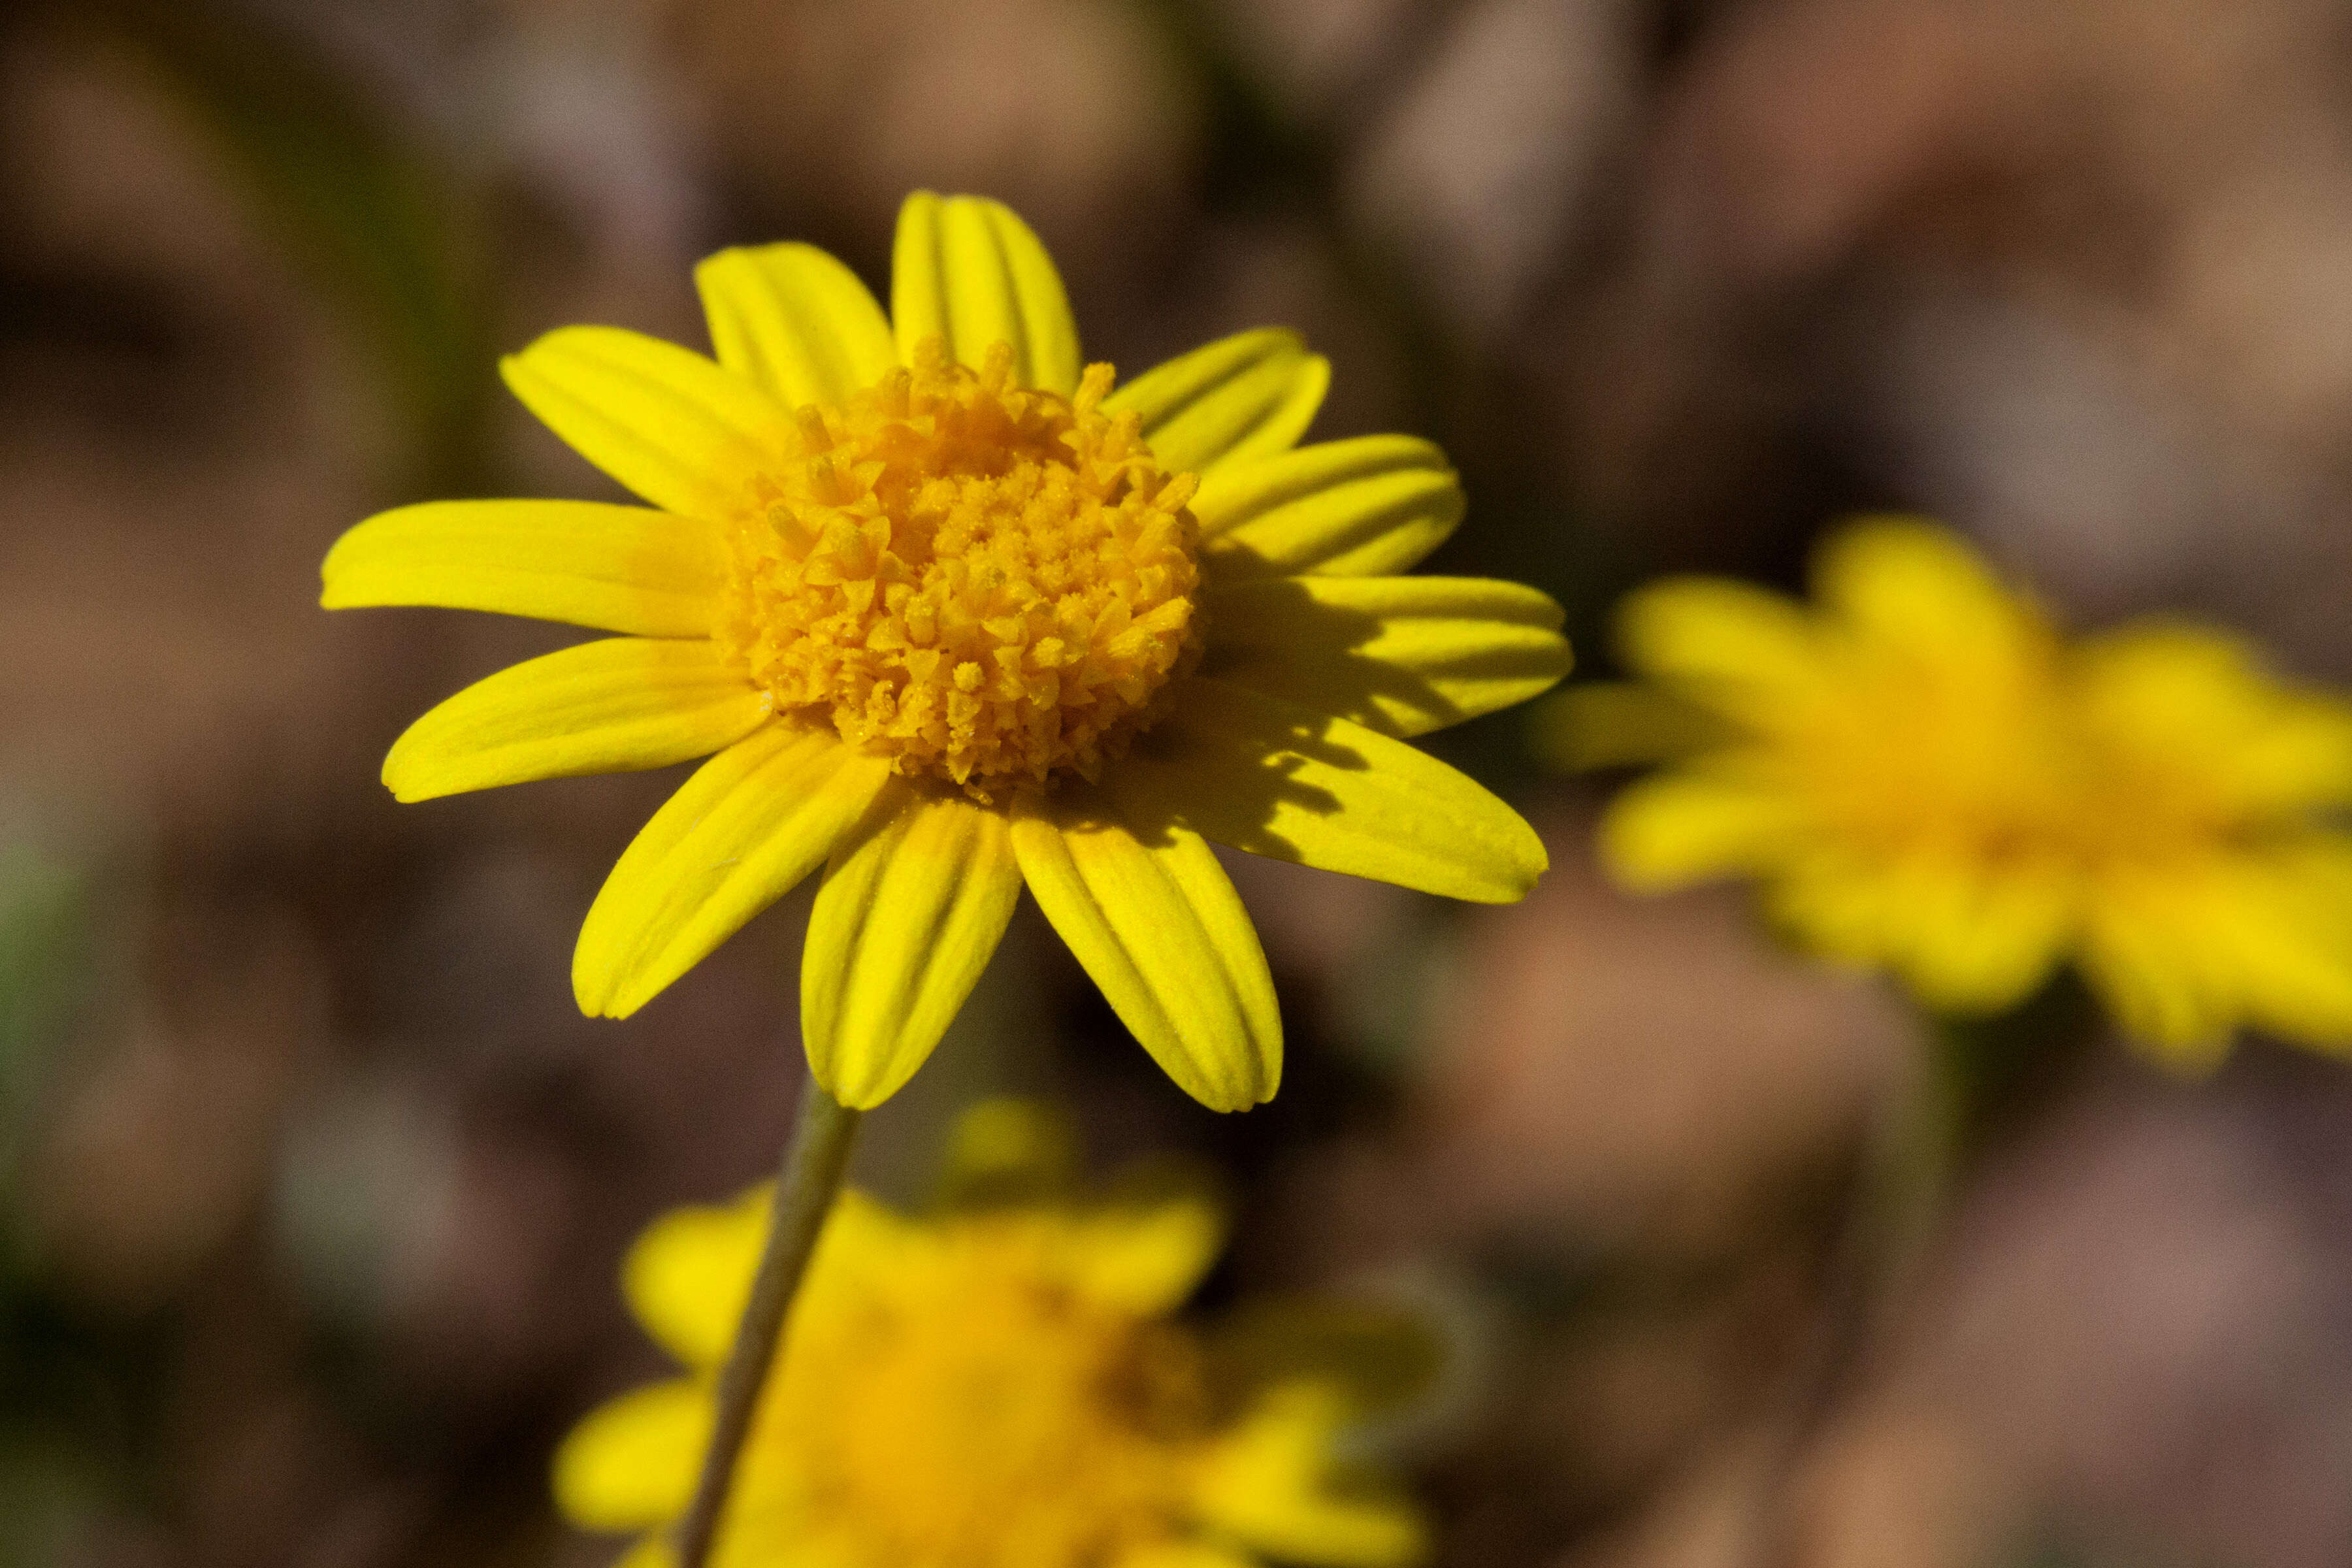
<point>1029,1424</point>
<point>988,582</point>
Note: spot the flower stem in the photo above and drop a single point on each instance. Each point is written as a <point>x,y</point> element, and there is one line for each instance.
<point>1976,1079</point>
<point>815,1163</point>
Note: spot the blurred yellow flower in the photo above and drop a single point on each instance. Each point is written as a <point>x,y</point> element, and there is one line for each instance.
<point>1927,777</point>
<point>948,613</point>
<point>997,1387</point>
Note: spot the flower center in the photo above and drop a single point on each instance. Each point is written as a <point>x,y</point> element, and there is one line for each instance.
<point>2000,759</point>
<point>970,1411</point>
<point>987,582</point>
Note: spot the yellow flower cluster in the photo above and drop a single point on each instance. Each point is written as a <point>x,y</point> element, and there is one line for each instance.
<point>998,1385</point>
<point>1927,777</point>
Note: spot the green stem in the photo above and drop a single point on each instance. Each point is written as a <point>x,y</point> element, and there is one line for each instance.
<point>814,1163</point>
<point>1911,1158</point>
<point>1974,1081</point>
<point>1910,1179</point>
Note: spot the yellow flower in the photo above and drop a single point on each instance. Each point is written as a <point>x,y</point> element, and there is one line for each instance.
<point>1928,778</point>
<point>998,1386</point>
<point>948,613</point>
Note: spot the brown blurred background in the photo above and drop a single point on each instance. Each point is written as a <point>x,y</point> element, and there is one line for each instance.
<point>312,1182</point>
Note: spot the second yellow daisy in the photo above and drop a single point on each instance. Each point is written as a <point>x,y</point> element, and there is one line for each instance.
<point>1926,776</point>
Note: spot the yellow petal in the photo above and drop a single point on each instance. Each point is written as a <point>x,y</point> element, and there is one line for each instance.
<point>2293,941</point>
<point>1269,1483</point>
<point>1277,780</point>
<point>616,568</point>
<point>686,1277</point>
<point>1008,1150</point>
<point>631,1464</point>
<point>1676,828</point>
<point>2143,956</point>
<point>1977,941</point>
<point>1400,654</point>
<point>736,837</point>
<point>914,903</point>
<point>1360,508</point>
<point>968,270</point>
<point>672,425</point>
<point>1147,1258</point>
<point>1597,725</point>
<point>1850,909</point>
<point>1182,1555</point>
<point>1736,649</point>
<point>1249,395</point>
<point>795,322</point>
<point>1906,583</point>
<point>864,1239</point>
<point>652,1551</point>
<point>1156,923</point>
<point>2185,951</point>
<point>614,706</point>
<point>2161,687</point>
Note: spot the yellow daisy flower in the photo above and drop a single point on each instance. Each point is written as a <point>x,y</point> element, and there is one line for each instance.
<point>948,613</point>
<point>1928,778</point>
<point>1000,1385</point>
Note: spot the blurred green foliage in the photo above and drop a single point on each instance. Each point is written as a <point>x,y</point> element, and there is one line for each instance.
<point>60,1415</point>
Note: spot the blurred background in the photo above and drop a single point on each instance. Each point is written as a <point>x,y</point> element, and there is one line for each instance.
<point>313,1182</point>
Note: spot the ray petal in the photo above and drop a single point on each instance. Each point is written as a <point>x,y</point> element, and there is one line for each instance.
<point>968,270</point>
<point>1269,1482</point>
<point>1278,780</point>
<point>1146,1258</point>
<point>1249,395</point>
<point>750,824</point>
<point>679,429</point>
<point>1360,508</point>
<point>619,705</point>
<point>1400,654</point>
<point>687,1275</point>
<point>631,1463</point>
<point>914,903</point>
<point>615,568</point>
<point>1157,925</point>
<point>795,322</point>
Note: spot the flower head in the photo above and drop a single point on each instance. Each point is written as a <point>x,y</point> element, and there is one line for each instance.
<point>948,612</point>
<point>1927,776</point>
<point>1000,1385</point>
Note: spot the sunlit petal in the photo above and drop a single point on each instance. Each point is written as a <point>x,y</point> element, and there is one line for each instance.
<point>968,270</point>
<point>615,568</point>
<point>1279,780</point>
<point>1365,507</point>
<point>913,904</point>
<point>614,706</point>
<point>676,428</point>
<point>736,837</point>
<point>1248,396</point>
<point>1156,922</point>
<point>795,322</point>
<point>1677,828</point>
<point>1148,1258</point>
